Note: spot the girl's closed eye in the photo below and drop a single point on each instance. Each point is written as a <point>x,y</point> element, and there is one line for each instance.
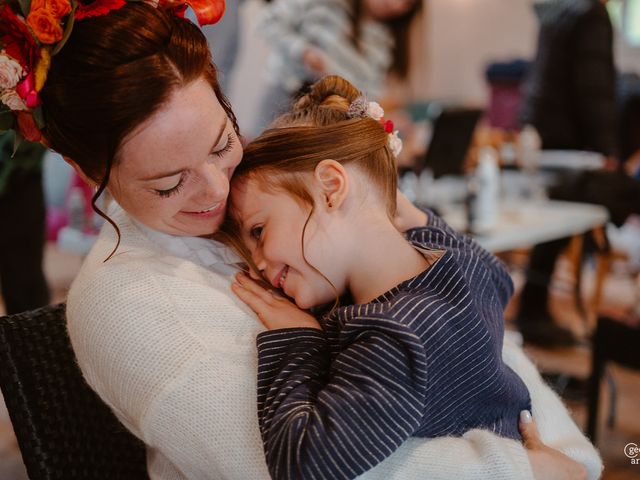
<point>227,148</point>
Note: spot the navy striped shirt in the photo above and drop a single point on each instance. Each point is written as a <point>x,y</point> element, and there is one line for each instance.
<point>424,359</point>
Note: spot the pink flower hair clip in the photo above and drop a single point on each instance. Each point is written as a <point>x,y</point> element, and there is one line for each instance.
<point>361,108</point>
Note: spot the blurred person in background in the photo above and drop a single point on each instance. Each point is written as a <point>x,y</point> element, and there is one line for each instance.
<point>22,215</point>
<point>571,100</point>
<point>360,40</point>
<point>224,40</point>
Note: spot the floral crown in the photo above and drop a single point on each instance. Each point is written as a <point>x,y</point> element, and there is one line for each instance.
<point>361,108</point>
<point>31,32</point>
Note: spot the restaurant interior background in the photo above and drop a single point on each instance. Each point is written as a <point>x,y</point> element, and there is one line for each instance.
<point>453,42</point>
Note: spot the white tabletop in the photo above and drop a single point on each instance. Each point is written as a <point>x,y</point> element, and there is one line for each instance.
<point>523,224</point>
<point>571,160</point>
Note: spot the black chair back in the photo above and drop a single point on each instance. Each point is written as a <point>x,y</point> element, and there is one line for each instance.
<point>63,428</point>
<point>614,341</point>
<point>453,128</point>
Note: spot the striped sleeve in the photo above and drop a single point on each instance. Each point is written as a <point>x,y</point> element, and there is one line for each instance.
<point>292,26</point>
<point>337,418</point>
<point>499,274</point>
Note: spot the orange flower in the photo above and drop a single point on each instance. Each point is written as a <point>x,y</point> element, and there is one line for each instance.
<point>57,8</point>
<point>45,26</point>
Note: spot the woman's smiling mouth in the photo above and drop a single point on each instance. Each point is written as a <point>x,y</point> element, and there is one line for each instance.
<point>210,211</point>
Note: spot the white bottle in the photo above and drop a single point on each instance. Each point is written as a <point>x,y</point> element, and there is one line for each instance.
<point>529,145</point>
<point>486,203</point>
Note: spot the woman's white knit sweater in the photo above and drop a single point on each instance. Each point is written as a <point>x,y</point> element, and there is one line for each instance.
<point>161,338</point>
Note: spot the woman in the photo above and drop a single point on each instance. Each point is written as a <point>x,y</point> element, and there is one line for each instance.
<point>156,330</point>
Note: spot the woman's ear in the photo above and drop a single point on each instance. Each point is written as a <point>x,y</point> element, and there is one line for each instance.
<point>80,173</point>
<point>333,182</point>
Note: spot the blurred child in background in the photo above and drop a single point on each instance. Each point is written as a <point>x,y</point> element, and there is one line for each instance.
<point>360,40</point>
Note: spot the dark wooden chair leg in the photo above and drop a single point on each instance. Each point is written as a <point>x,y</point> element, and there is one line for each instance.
<point>597,367</point>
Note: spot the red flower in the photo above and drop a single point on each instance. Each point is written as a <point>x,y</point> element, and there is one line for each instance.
<point>207,11</point>
<point>388,126</point>
<point>97,8</point>
<point>28,127</point>
<point>18,41</point>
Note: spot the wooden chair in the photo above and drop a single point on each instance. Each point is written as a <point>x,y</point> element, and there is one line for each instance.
<point>63,428</point>
<point>614,341</point>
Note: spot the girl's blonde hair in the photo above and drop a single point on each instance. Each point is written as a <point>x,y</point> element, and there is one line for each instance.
<point>315,129</point>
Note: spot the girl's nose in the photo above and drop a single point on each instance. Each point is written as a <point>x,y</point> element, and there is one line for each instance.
<point>259,260</point>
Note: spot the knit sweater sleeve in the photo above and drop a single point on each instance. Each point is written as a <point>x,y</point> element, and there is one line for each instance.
<point>557,428</point>
<point>482,455</point>
<point>174,357</point>
<point>360,405</point>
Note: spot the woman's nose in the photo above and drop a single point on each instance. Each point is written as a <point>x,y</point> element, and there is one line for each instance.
<point>215,184</point>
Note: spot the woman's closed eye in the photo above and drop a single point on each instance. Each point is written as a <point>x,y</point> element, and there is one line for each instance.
<point>227,148</point>
<point>173,190</point>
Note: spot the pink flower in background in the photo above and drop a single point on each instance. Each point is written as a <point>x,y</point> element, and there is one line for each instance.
<point>27,91</point>
<point>10,72</point>
<point>12,100</point>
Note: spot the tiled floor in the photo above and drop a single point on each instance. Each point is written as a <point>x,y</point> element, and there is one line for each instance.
<point>619,292</point>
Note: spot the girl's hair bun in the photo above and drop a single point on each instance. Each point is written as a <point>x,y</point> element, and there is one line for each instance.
<point>329,98</point>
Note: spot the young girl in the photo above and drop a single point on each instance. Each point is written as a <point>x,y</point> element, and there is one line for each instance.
<point>361,40</point>
<point>419,351</point>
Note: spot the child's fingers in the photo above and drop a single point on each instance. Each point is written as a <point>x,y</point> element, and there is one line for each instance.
<point>253,301</point>
<point>529,430</point>
<point>268,296</point>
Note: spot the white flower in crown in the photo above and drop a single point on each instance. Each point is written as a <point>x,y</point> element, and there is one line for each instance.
<point>12,100</point>
<point>395,144</point>
<point>375,111</point>
<point>10,72</point>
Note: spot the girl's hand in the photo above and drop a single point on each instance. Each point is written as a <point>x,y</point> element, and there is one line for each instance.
<point>547,463</point>
<point>315,60</point>
<point>407,214</point>
<point>273,310</point>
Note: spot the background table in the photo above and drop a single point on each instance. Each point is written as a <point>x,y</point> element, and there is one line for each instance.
<point>524,224</point>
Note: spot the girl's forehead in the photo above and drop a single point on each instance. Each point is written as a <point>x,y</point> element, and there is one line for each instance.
<point>245,197</point>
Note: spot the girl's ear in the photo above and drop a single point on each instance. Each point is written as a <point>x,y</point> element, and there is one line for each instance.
<point>80,173</point>
<point>333,181</point>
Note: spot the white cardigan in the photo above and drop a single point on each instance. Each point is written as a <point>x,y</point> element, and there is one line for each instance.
<point>161,338</point>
